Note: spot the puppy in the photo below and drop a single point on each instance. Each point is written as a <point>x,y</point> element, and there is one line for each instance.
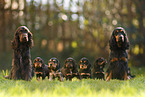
<point>85,68</point>
<point>98,67</point>
<point>69,69</point>
<point>54,69</point>
<point>41,70</point>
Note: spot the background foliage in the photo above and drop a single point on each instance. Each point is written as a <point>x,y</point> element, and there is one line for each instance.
<point>76,28</point>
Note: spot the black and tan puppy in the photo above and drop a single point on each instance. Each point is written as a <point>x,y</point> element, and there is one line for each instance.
<point>41,70</point>
<point>70,70</point>
<point>54,69</point>
<point>85,68</point>
<point>98,68</point>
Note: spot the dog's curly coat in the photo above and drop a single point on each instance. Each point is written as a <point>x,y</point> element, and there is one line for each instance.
<point>21,63</point>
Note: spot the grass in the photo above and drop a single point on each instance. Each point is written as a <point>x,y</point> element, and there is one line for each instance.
<point>86,87</point>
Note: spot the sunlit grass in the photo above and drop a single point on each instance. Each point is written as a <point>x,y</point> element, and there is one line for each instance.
<point>86,87</point>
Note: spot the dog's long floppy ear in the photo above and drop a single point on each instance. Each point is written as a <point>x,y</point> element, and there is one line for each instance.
<point>112,41</point>
<point>96,63</point>
<point>89,63</point>
<point>126,41</point>
<point>43,64</point>
<point>30,40</point>
<point>16,40</point>
<point>64,66</point>
<point>33,65</point>
<point>58,64</point>
<point>74,66</point>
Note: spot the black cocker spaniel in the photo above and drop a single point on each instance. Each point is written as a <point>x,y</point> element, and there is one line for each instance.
<point>21,63</point>
<point>118,59</point>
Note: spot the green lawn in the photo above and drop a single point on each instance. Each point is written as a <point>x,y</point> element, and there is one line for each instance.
<point>88,87</point>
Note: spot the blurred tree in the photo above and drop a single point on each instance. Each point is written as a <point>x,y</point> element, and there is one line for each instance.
<point>76,28</point>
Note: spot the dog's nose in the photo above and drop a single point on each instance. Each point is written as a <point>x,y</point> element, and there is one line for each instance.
<point>25,36</point>
<point>121,38</point>
<point>50,64</point>
<point>82,66</point>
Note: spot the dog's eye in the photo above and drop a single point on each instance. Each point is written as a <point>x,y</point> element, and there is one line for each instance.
<point>121,30</point>
<point>21,30</point>
<point>25,30</point>
<point>122,33</point>
<point>35,61</point>
<point>41,61</point>
<point>116,33</point>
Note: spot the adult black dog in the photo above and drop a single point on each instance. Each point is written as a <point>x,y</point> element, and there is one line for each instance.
<point>21,63</point>
<point>41,69</point>
<point>54,69</point>
<point>85,68</point>
<point>98,68</point>
<point>118,59</point>
<point>70,70</point>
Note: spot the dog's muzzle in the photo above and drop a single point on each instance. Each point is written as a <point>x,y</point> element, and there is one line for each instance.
<point>24,37</point>
<point>120,38</point>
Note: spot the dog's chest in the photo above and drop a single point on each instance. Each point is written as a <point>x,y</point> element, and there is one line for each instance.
<point>119,54</point>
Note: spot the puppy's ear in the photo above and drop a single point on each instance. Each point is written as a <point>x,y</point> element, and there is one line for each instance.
<point>16,40</point>
<point>89,64</point>
<point>74,65</point>
<point>65,63</point>
<point>58,64</point>
<point>43,65</point>
<point>34,63</point>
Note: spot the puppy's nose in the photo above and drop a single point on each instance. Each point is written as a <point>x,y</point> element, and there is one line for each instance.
<point>50,64</point>
<point>54,66</point>
<point>82,66</point>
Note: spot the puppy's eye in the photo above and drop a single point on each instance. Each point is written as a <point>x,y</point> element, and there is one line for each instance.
<point>54,61</point>
<point>35,61</point>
